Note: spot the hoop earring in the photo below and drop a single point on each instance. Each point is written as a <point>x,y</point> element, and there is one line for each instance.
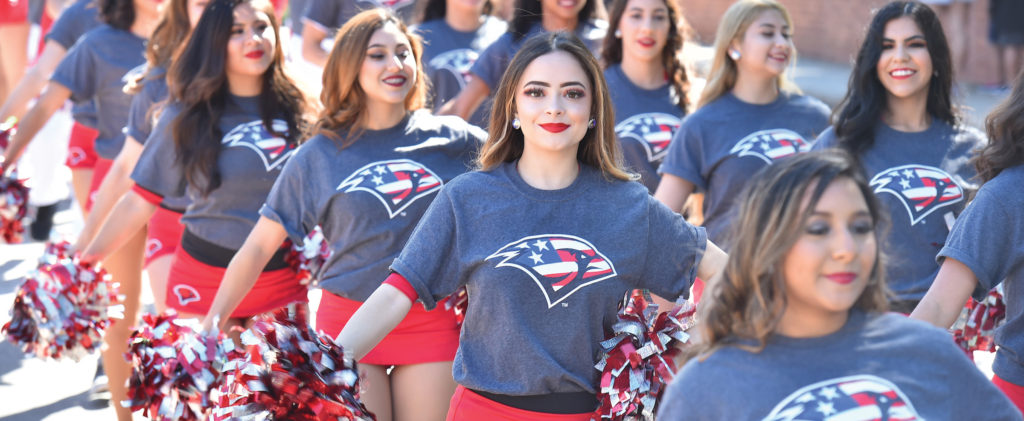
<point>516,124</point>
<point>592,124</point>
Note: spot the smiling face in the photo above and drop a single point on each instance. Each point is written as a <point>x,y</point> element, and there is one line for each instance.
<point>644,28</point>
<point>766,46</point>
<point>553,102</point>
<point>905,66</point>
<point>251,46</point>
<point>388,72</point>
<point>566,10</point>
<point>828,267</point>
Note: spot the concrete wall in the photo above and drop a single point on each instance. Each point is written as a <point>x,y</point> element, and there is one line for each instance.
<point>832,30</point>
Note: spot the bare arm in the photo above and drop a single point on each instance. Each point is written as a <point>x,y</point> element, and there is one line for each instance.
<point>672,191</point>
<point>128,217</point>
<point>261,244</point>
<point>712,263</point>
<point>467,101</point>
<point>312,36</point>
<point>115,185</point>
<point>34,81</point>
<point>51,100</point>
<point>375,318</point>
<point>942,303</point>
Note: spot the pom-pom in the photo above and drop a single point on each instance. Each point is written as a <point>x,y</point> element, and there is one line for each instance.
<point>6,130</point>
<point>13,208</point>
<point>63,308</point>
<point>457,302</point>
<point>983,318</point>
<point>174,367</point>
<point>290,373</point>
<point>638,363</point>
<point>307,259</point>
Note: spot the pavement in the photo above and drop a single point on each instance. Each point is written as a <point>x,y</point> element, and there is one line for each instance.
<point>32,389</point>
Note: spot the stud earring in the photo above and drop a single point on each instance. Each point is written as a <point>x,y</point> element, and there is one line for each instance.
<point>734,54</point>
<point>618,33</point>
<point>516,124</point>
<point>592,124</point>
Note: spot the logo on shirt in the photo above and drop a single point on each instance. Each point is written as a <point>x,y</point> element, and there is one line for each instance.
<point>921,189</point>
<point>394,4</point>
<point>274,151</point>
<point>457,62</point>
<point>186,294</point>
<point>771,144</point>
<point>852,398</point>
<point>396,183</point>
<point>653,130</point>
<point>559,264</point>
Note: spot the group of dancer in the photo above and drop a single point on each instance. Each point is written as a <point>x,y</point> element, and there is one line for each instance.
<point>598,141</point>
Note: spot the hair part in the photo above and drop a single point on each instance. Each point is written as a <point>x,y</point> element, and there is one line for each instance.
<point>344,101</point>
<point>733,27</point>
<point>860,111</point>
<point>671,53</point>
<point>1005,128</point>
<point>749,299</point>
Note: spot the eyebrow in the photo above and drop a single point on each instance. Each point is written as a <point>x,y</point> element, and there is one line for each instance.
<point>385,46</point>
<point>911,38</point>
<point>858,213</point>
<point>545,84</point>
<point>772,26</point>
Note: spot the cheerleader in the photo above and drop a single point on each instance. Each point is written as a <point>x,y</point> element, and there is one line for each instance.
<point>897,119</point>
<point>323,18</point>
<point>232,121</point>
<point>583,17</point>
<point>749,115</point>
<point>547,237</point>
<point>796,327</point>
<point>373,168</point>
<point>454,34</point>
<point>647,81</point>
<point>986,244</point>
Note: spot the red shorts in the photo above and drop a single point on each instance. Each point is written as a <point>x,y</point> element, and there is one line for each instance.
<point>163,234</point>
<point>1012,391</point>
<point>192,285</point>
<point>13,11</point>
<point>81,152</point>
<point>99,172</point>
<point>421,337</point>
<point>466,405</point>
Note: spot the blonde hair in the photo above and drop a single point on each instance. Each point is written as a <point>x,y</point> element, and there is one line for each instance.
<point>598,148</point>
<point>733,26</point>
<point>344,101</point>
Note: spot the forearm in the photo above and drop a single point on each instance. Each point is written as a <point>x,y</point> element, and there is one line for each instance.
<point>712,262</point>
<point>115,185</point>
<point>468,100</point>
<point>942,303</point>
<point>48,104</point>
<point>385,308</point>
<point>129,216</point>
<point>312,52</point>
<point>32,82</point>
<point>673,191</point>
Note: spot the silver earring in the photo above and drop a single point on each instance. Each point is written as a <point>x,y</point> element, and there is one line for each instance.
<point>618,33</point>
<point>734,54</point>
<point>516,124</point>
<point>592,124</point>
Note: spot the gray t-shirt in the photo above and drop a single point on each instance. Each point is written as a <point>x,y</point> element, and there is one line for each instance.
<point>449,54</point>
<point>876,367</point>
<point>645,121</point>
<point>922,179</point>
<point>77,19</point>
<point>97,68</point>
<point>368,197</point>
<point>545,271</point>
<point>249,162</point>
<point>329,15</point>
<point>723,144</point>
<point>988,237</point>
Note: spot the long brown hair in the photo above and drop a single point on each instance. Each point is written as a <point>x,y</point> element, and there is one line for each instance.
<point>343,99</point>
<point>598,147</point>
<point>119,14</point>
<point>197,81</point>
<point>671,53</point>
<point>169,35</point>
<point>1005,128</point>
<point>733,26</point>
<point>749,298</point>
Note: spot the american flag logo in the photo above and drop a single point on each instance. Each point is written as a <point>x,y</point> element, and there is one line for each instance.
<point>921,189</point>
<point>274,151</point>
<point>396,183</point>
<point>458,62</point>
<point>771,144</point>
<point>853,398</point>
<point>559,264</point>
<point>653,130</point>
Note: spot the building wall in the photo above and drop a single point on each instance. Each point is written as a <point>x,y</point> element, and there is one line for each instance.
<point>832,30</point>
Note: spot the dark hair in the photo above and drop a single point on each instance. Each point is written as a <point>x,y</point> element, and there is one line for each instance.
<point>198,82</point>
<point>1005,128</point>
<point>530,13</point>
<point>749,299</point>
<point>671,54</point>
<point>858,114</point>
<point>437,9</point>
<point>117,13</point>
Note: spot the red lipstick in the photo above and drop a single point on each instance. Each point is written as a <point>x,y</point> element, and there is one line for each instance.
<point>256,54</point>
<point>842,278</point>
<point>554,127</point>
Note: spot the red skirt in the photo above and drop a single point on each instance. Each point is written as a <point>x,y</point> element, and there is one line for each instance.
<point>81,147</point>
<point>421,337</point>
<point>163,234</point>
<point>13,12</point>
<point>192,285</point>
<point>1012,391</point>
<point>468,406</point>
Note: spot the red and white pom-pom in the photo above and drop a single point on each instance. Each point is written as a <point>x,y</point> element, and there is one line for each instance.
<point>457,302</point>
<point>983,318</point>
<point>174,367</point>
<point>307,259</point>
<point>13,208</point>
<point>6,130</point>
<point>637,364</point>
<point>290,373</point>
<point>63,308</point>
